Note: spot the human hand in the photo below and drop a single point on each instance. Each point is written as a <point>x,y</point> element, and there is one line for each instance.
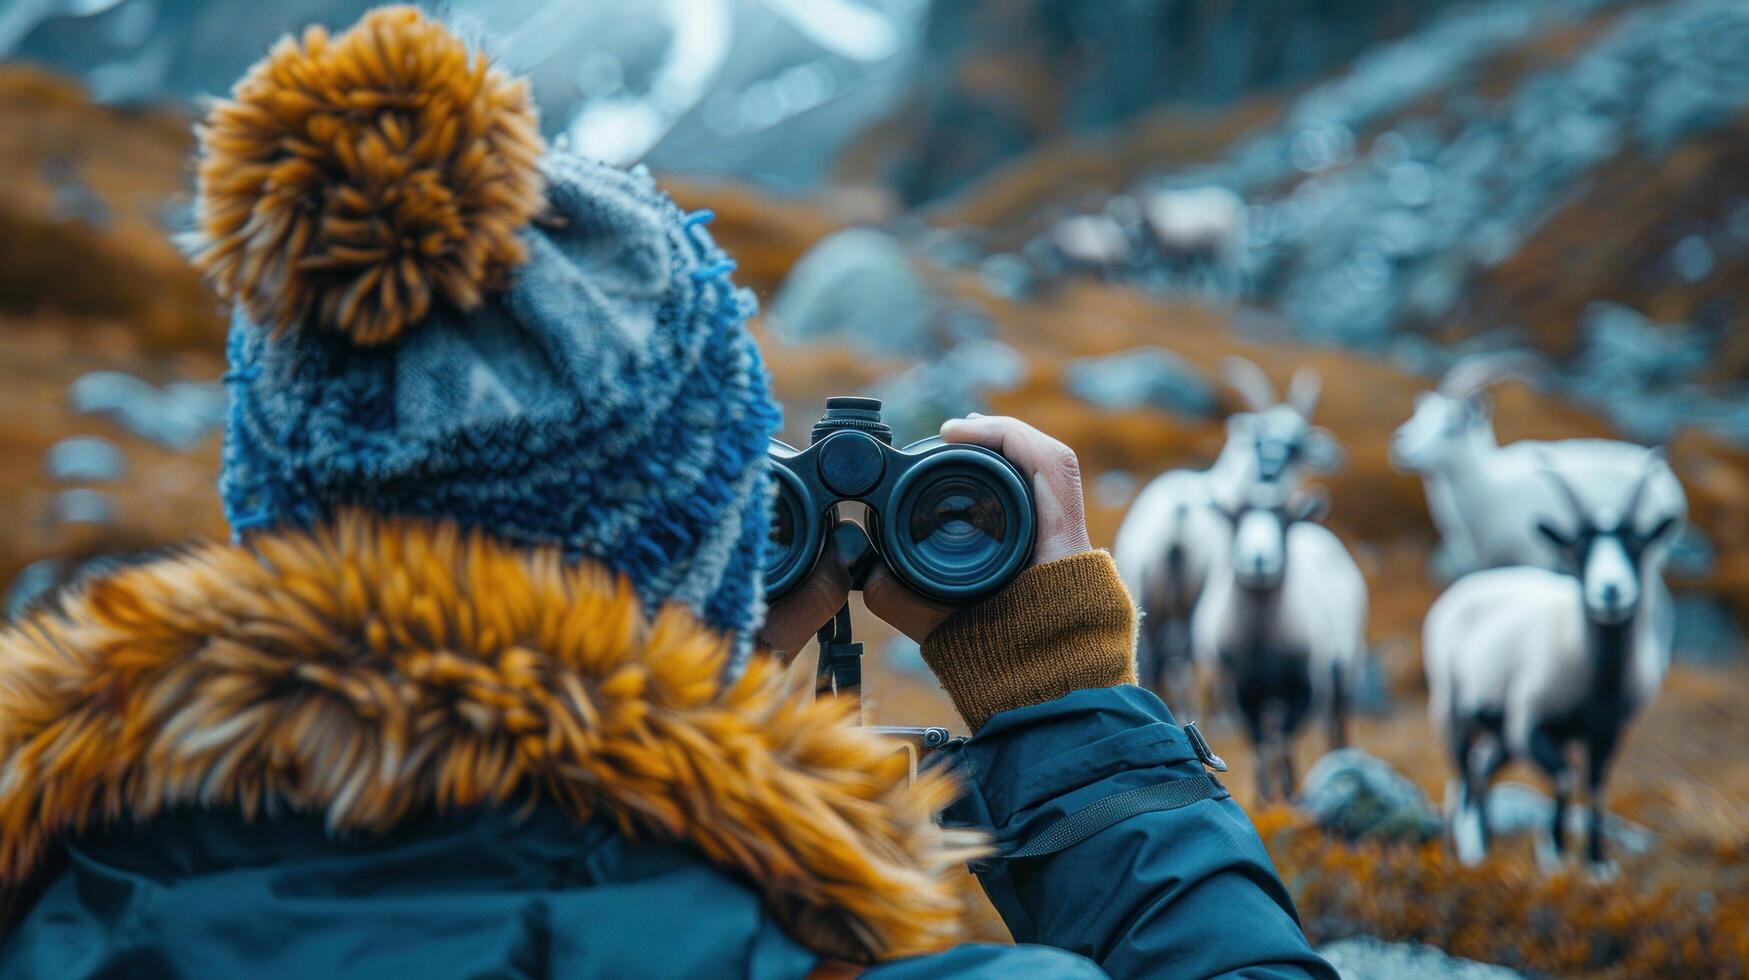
<point>1055,475</point>
<point>792,621</point>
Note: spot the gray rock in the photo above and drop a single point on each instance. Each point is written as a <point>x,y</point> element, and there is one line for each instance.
<point>1354,795</point>
<point>1706,631</point>
<point>1692,259</point>
<point>1143,377</point>
<point>178,416</point>
<point>80,458</point>
<point>1515,808</point>
<point>1365,958</point>
<point>1624,346</point>
<point>919,398</point>
<point>860,286</point>
<point>74,199</point>
<point>989,364</point>
<point>84,506</point>
<point>1007,275</point>
<point>1643,376</point>
<point>33,581</point>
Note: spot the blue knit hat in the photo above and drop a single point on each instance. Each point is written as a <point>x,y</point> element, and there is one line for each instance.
<point>586,379</point>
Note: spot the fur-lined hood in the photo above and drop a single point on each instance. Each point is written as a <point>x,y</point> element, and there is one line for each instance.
<point>379,668</point>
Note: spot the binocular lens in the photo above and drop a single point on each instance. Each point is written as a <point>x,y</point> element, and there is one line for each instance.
<point>790,548</point>
<point>961,526</point>
<point>954,523</point>
<point>957,525</point>
<point>783,531</point>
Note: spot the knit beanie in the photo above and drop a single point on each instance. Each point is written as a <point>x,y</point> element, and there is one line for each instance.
<point>436,317</point>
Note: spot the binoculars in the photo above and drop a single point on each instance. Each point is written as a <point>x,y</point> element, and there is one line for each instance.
<point>953,522</point>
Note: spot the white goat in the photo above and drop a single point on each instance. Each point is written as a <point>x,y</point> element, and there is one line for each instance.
<point>1199,229</point>
<point>1170,538</point>
<point>1282,624</point>
<point>1091,244</point>
<point>1525,662</point>
<point>1485,498</point>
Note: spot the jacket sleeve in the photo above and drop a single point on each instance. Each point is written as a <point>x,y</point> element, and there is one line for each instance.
<point>1085,773</point>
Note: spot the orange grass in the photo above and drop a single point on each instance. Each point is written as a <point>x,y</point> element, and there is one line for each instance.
<point>1507,912</point>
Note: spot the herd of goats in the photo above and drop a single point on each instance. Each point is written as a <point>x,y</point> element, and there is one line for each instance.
<point>1555,634</point>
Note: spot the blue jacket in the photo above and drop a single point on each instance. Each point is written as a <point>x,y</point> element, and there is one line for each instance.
<point>291,760</point>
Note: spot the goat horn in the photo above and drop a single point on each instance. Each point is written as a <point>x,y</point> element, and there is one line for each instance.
<point>1303,391</point>
<point>1250,382</point>
<point>1654,457</point>
<point>1566,489</point>
<point>1477,371</point>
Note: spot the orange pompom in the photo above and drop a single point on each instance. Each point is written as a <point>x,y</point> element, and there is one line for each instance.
<point>349,182</point>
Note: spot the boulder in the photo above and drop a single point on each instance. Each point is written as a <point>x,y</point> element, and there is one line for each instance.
<point>918,399</point>
<point>861,286</point>
<point>1354,795</point>
<point>1144,377</point>
<point>178,416</point>
<point>1623,346</point>
<point>78,459</point>
<point>32,583</point>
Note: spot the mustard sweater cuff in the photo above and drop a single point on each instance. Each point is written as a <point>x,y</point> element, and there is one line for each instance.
<point>1059,627</point>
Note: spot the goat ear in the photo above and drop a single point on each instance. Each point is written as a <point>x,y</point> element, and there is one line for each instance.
<point>1323,453</point>
<point>1554,535</point>
<point>1312,505</point>
<point>1303,391</point>
<point>1250,382</point>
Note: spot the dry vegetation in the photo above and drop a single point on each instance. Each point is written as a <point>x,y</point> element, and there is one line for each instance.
<point>1506,912</point>
<point>89,286</point>
<point>56,150</point>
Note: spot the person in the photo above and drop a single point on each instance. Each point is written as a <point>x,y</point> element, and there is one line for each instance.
<point>480,685</point>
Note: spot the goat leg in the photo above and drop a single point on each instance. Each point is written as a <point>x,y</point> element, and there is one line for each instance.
<point>1549,756</point>
<point>1600,751</point>
<point>1338,710</point>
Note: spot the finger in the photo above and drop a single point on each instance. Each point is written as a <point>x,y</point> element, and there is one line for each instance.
<point>1049,465</point>
<point>827,587</point>
<point>899,607</point>
<point>794,619</point>
<point>1021,444</point>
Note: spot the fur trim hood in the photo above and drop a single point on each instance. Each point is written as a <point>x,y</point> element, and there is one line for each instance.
<point>378,668</point>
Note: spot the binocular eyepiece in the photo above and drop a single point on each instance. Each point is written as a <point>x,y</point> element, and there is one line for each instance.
<point>954,523</point>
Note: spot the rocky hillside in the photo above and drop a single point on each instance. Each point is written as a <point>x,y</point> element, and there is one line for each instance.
<point>90,272</point>
<point>110,348</point>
